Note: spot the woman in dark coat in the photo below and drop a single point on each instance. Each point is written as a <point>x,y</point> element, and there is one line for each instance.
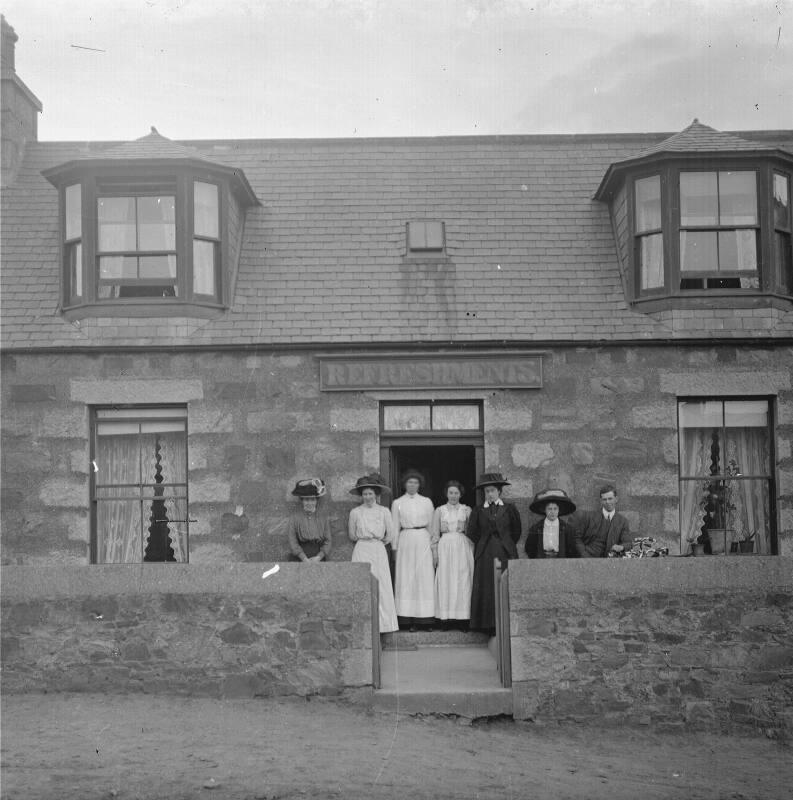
<point>494,528</point>
<point>551,537</point>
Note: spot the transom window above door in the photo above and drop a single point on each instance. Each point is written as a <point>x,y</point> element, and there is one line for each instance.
<point>430,415</point>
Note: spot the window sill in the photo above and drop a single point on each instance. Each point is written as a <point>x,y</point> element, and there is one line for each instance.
<point>147,308</point>
<point>722,299</point>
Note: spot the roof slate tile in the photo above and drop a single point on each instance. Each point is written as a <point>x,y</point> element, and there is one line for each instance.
<point>323,258</point>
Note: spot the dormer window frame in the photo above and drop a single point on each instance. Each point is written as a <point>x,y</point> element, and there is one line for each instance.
<point>774,285</point>
<point>80,253</point>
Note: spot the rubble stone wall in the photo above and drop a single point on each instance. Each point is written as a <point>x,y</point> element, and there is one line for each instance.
<point>697,643</point>
<point>219,631</point>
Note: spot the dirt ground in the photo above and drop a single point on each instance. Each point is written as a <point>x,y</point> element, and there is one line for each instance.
<point>135,746</point>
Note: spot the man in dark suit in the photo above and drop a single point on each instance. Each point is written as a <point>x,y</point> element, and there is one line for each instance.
<point>604,528</point>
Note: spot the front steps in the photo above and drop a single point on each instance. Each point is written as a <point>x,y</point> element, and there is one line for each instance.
<point>440,672</point>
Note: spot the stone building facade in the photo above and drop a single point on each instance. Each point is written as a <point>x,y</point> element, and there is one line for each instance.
<point>567,310</point>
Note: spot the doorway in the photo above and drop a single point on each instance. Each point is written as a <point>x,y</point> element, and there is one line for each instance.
<point>438,463</point>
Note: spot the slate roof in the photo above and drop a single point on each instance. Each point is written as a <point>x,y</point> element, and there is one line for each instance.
<point>151,146</point>
<point>699,138</point>
<point>531,254</point>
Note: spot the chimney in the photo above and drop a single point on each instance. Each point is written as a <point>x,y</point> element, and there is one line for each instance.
<point>20,108</point>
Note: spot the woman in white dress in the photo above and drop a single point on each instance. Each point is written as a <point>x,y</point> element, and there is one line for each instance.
<point>454,577</point>
<point>415,573</point>
<point>370,527</point>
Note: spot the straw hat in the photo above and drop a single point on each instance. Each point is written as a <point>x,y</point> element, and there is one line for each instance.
<point>368,482</point>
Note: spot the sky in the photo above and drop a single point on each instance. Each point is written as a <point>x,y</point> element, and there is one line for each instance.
<point>255,69</point>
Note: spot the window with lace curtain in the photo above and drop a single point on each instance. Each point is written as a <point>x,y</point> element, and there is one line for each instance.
<point>139,486</point>
<point>726,479</point>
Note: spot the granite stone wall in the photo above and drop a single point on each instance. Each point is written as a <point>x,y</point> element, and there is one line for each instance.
<point>257,422</point>
<point>219,631</point>
<point>672,643</point>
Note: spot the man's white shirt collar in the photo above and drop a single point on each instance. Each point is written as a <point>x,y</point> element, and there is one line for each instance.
<point>498,502</point>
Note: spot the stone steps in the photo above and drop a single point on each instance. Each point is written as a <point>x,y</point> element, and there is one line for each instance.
<point>459,678</point>
<point>410,640</point>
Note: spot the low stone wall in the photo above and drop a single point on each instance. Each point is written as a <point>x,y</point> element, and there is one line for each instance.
<point>188,629</point>
<point>700,643</point>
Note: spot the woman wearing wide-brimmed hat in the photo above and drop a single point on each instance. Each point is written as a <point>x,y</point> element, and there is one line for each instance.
<point>494,528</point>
<point>309,531</point>
<point>455,573</point>
<point>370,527</point>
<point>414,591</point>
<point>551,537</point>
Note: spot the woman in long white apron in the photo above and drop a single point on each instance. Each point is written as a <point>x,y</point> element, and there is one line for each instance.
<point>371,528</point>
<point>454,576</point>
<point>415,572</point>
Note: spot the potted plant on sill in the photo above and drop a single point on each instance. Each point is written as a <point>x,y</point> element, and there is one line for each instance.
<point>697,544</point>
<point>746,542</point>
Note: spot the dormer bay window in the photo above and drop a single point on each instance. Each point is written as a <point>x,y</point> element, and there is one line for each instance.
<point>147,236</point>
<point>703,220</point>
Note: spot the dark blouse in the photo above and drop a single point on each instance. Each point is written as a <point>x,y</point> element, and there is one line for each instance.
<point>314,528</point>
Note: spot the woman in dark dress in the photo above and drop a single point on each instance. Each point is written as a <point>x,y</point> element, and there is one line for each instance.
<point>309,532</point>
<point>551,537</point>
<point>494,528</point>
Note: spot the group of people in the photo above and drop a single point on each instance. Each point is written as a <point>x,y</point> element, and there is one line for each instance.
<point>444,556</point>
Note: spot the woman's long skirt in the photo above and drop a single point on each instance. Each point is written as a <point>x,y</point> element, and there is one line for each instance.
<point>373,552</point>
<point>483,602</point>
<point>415,575</point>
<point>454,577</point>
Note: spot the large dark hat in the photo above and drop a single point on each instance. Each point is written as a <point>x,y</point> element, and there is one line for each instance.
<point>491,479</point>
<point>558,496</point>
<point>309,487</point>
<point>373,481</point>
<point>411,473</point>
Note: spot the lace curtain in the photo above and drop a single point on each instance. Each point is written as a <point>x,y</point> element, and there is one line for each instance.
<point>127,466</point>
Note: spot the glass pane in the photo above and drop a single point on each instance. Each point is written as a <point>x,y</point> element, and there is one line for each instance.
<point>74,211</point>
<point>156,223</point>
<point>434,235</point>
<point>119,532</point>
<point>746,414</point>
<point>417,235</point>
<point>648,203</point>
<point>204,268</point>
<point>784,258</point>
<point>114,267</point>
<point>455,418</point>
<point>118,491</point>
<point>162,426</point>
<point>108,292</point>
<point>738,250</point>
<point>698,251</point>
<point>651,261</point>
<point>700,414</point>
<point>157,266</point>
<point>75,256</point>
<point>698,199</point>
<point>205,209</point>
<point>116,223</point>
<point>176,514</point>
<point>140,413</point>
<point>117,428</point>
<point>116,458</point>
<point>781,201</point>
<point>747,514</point>
<point>737,198</point>
<point>406,418</point>
<point>425,235</point>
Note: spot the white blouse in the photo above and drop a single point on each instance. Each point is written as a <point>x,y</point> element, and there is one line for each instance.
<point>370,523</point>
<point>449,519</point>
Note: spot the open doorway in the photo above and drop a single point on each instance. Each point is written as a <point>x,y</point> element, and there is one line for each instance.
<point>438,463</point>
